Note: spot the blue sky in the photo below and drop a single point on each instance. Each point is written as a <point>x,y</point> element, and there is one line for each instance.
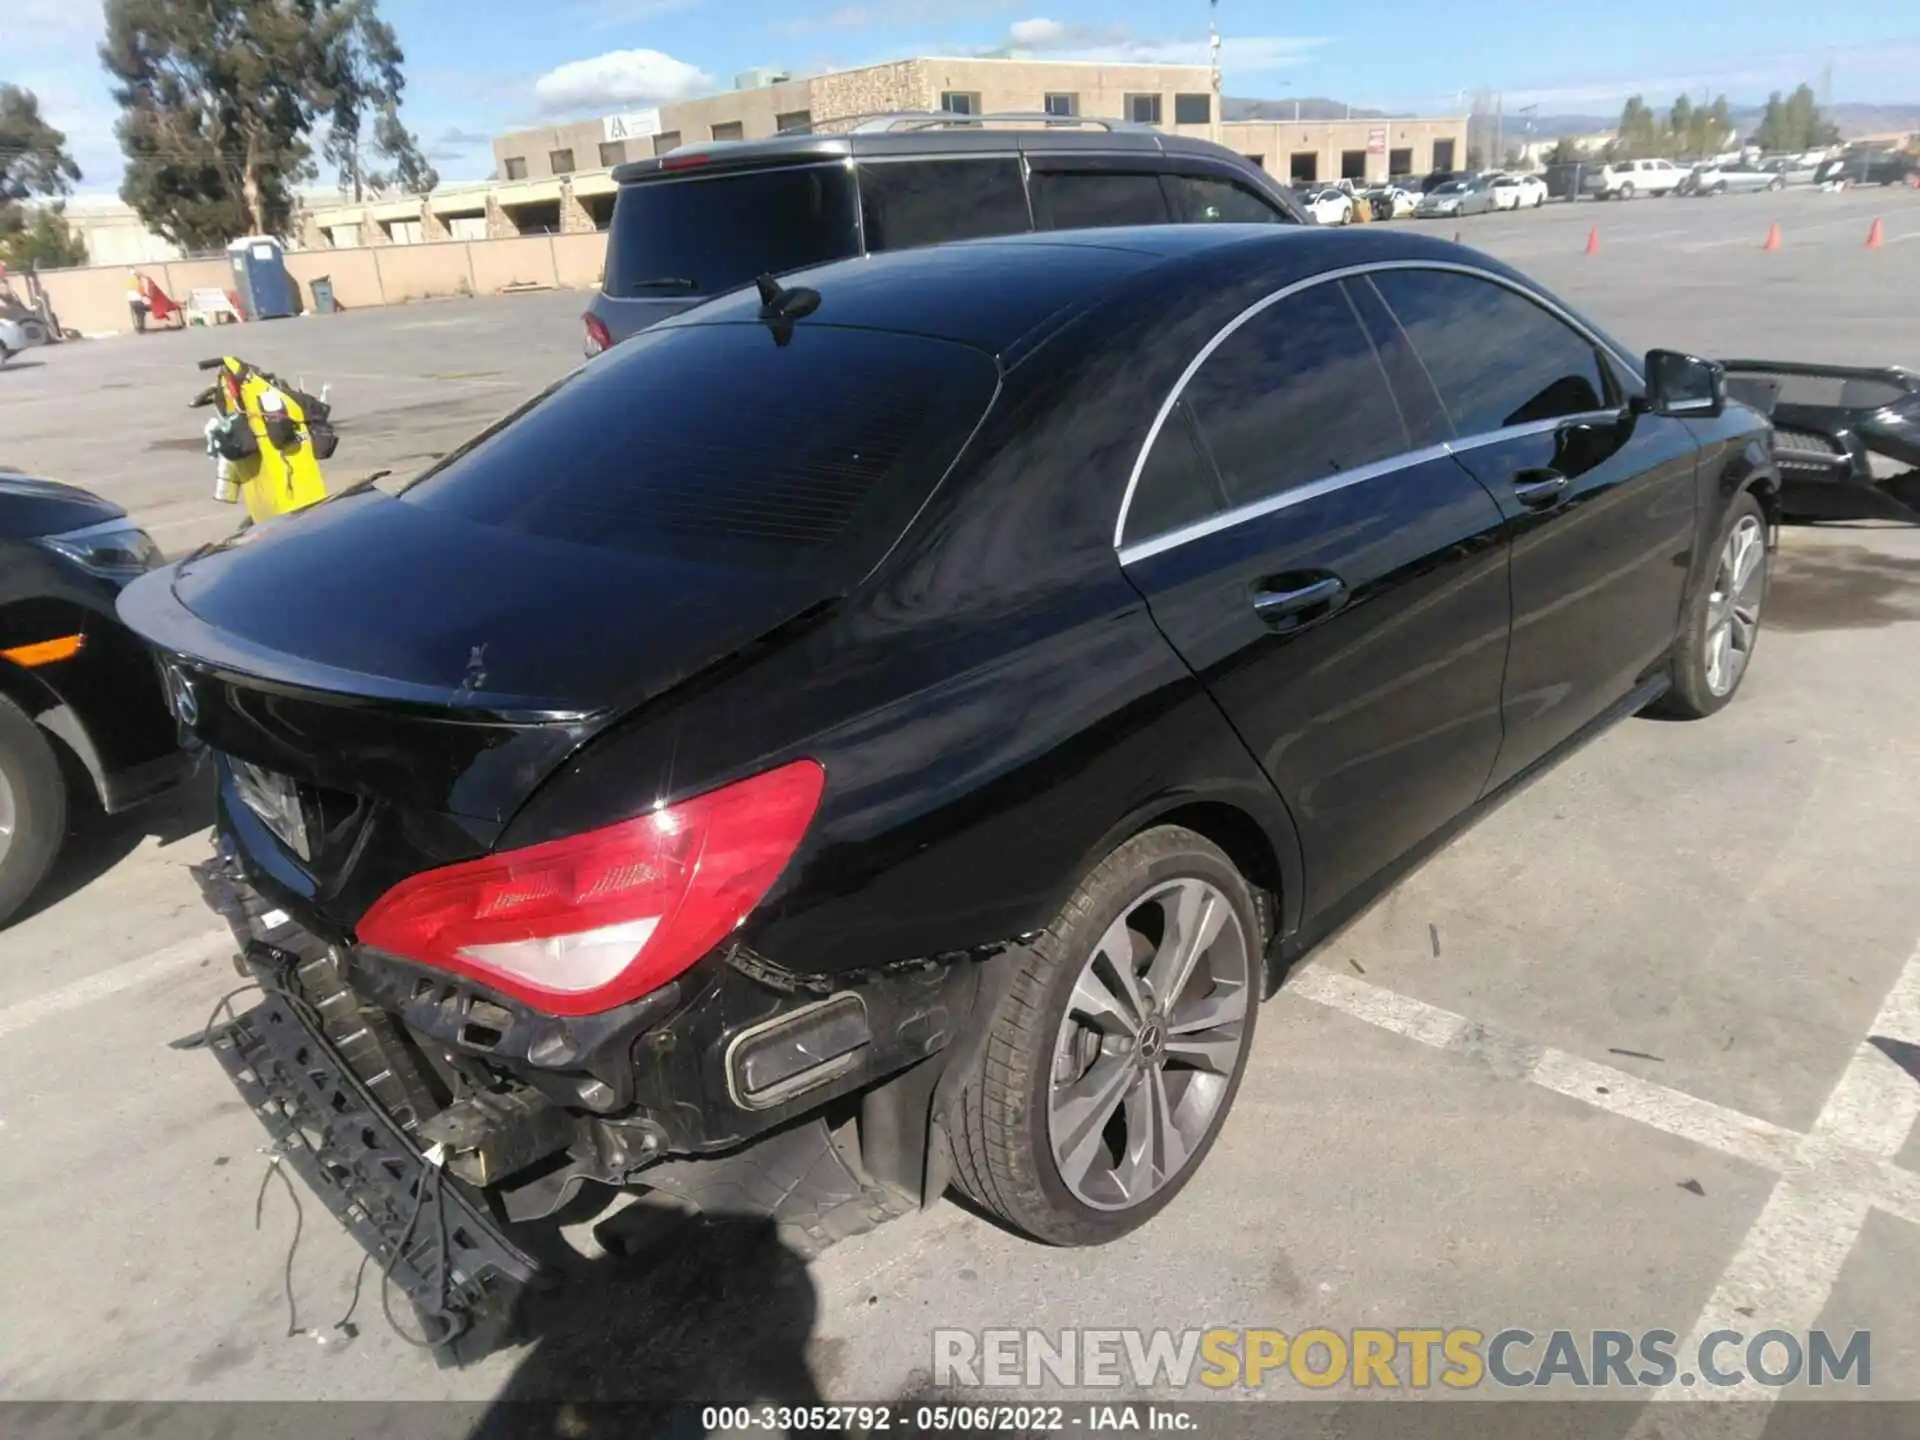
<point>477,67</point>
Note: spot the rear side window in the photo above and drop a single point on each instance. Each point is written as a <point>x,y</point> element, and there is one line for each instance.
<point>1293,396</point>
<point>703,236</point>
<point>1177,485</point>
<point>1496,358</point>
<point>1095,200</point>
<point>714,444</point>
<point>924,202</point>
<point>1204,199</point>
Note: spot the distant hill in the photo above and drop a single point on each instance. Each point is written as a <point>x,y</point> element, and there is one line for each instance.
<point>1852,118</point>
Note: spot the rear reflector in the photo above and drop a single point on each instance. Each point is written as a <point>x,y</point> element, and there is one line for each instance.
<point>580,925</point>
<point>599,338</point>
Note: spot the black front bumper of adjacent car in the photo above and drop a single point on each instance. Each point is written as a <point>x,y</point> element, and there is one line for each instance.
<point>361,1065</point>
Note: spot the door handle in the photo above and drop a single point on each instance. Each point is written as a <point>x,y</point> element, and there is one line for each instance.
<point>1289,601</point>
<point>1537,489</point>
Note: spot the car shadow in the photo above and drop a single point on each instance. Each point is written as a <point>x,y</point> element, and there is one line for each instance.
<point>97,841</point>
<point>711,1310</point>
<point>12,365</point>
<point>1845,587</point>
<point>698,1312</point>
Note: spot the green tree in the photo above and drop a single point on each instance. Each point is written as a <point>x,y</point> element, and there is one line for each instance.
<point>34,164</point>
<point>220,98</point>
<point>362,80</point>
<point>1682,132</point>
<point>40,239</point>
<point>1637,136</point>
<point>1794,123</point>
<point>1566,151</point>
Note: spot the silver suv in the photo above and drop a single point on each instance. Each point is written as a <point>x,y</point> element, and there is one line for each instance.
<point>705,219</point>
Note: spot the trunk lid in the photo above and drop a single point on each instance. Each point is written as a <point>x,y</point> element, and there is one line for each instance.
<point>430,657</point>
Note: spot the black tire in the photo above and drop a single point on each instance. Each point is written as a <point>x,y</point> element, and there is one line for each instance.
<point>1002,1151</point>
<point>30,771</point>
<point>1626,191</point>
<point>1693,696</point>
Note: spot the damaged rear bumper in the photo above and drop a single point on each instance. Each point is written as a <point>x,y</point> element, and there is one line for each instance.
<point>361,1064</point>
<point>1847,438</point>
<point>463,1277</point>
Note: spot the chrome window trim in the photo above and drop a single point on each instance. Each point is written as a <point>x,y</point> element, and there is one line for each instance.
<point>1153,545</point>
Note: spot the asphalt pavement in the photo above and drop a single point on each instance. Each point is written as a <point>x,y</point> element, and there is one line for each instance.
<point>1603,1063</point>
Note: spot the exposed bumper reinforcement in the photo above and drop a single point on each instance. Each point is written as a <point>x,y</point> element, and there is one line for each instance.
<point>463,1277</point>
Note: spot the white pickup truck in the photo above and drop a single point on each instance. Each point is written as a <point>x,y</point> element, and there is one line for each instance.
<point>1624,179</point>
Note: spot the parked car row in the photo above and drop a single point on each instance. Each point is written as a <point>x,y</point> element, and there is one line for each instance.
<point>1445,194</point>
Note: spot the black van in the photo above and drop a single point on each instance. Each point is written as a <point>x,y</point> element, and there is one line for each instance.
<point>705,219</point>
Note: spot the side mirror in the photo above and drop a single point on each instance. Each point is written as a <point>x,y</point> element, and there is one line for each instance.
<point>1683,385</point>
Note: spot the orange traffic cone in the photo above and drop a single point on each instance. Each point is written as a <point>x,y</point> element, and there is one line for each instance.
<point>1773,237</point>
<point>1876,234</point>
<point>1593,240</point>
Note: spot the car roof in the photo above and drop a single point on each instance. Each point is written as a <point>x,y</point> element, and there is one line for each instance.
<point>945,139</point>
<point>1006,294</point>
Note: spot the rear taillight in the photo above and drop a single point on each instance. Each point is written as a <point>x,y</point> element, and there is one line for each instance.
<point>599,338</point>
<point>581,925</point>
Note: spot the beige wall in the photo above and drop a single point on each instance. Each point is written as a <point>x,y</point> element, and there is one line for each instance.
<point>355,275</point>
<point>755,111</point>
<point>1277,142</point>
<point>92,299</point>
<point>1101,90</point>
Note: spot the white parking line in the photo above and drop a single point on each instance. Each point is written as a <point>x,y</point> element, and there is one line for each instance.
<point>99,986</point>
<point>1785,1269</point>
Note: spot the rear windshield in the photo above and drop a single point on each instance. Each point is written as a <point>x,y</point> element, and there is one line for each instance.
<point>706,235</point>
<point>716,443</point>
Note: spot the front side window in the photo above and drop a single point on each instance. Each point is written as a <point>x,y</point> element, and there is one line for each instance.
<point>1497,358</point>
<point>925,202</point>
<point>1293,396</point>
<point>1098,199</point>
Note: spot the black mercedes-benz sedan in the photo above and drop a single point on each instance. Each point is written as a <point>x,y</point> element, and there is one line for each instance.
<point>888,729</point>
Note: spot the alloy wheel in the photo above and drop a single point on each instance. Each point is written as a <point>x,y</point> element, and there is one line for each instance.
<point>1146,1053</point>
<point>1733,606</point>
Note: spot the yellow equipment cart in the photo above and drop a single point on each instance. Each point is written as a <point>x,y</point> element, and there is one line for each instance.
<point>268,438</point>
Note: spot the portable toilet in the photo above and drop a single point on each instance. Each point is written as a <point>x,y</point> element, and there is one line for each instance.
<point>260,277</point>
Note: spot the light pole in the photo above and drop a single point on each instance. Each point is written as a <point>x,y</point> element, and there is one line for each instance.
<point>1213,51</point>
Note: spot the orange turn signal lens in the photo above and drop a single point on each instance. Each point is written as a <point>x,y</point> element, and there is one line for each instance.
<point>45,652</point>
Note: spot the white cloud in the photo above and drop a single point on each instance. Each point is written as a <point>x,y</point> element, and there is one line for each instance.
<point>620,77</point>
<point>1116,45</point>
